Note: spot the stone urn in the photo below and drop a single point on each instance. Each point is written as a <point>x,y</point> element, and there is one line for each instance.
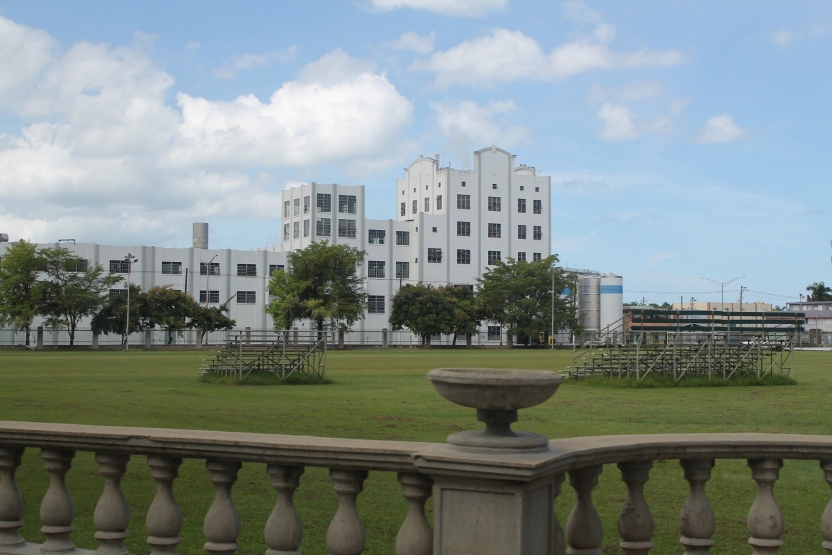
<point>497,394</point>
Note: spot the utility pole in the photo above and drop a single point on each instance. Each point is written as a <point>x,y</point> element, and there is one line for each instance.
<point>129,259</point>
<point>742,288</point>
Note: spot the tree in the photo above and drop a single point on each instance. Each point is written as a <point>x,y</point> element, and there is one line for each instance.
<point>520,295</point>
<point>422,309</point>
<point>819,292</point>
<point>466,311</point>
<point>20,294</point>
<point>321,284</point>
<point>72,289</point>
<point>170,309</point>
<point>112,317</point>
<point>212,318</point>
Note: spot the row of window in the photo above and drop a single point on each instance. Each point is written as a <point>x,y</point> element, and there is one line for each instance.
<point>347,204</point>
<point>376,268</point>
<point>205,268</point>
<point>463,202</point>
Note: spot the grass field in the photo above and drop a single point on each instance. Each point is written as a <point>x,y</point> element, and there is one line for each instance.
<point>384,395</point>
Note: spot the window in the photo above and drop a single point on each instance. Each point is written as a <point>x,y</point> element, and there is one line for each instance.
<point>296,205</point>
<point>493,257</point>
<point>119,267</point>
<point>172,268</point>
<point>377,236</point>
<point>521,231</point>
<point>285,232</point>
<point>209,296</point>
<point>463,256</point>
<point>324,202</point>
<point>434,256</point>
<point>536,256</point>
<point>402,192</point>
<point>521,257</point>
<point>463,229</point>
<point>346,204</point>
<point>433,229</point>
<point>538,233</point>
<point>209,268</point>
<point>463,184</point>
<point>275,267</point>
<point>522,188</point>
<point>537,189</point>
<point>249,270</point>
<point>427,204</point>
<point>494,204</point>
<point>494,186</point>
<point>494,333</point>
<point>415,206</point>
<point>375,268</point>
<point>538,207</point>
<point>463,202</point>
<point>402,237</point>
<point>296,230</point>
<point>375,304</point>
<point>323,227</point>
<point>439,184</point>
<point>346,228</point>
<point>521,205</point>
<point>403,270</point>
<point>439,202</point>
<point>246,297</point>
<point>81,266</point>
<point>286,209</point>
<point>417,260</point>
<point>426,187</point>
<point>495,230</point>
<point>404,209</point>
<point>306,204</point>
<point>118,293</point>
<point>306,227</point>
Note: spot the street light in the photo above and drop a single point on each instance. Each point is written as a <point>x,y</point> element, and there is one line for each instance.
<point>129,259</point>
<point>722,285</point>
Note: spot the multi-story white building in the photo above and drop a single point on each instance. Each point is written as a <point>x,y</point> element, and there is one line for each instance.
<point>450,227</point>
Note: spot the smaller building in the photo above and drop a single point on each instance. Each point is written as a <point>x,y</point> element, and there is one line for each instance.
<point>818,314</point>
<point>756,306</point>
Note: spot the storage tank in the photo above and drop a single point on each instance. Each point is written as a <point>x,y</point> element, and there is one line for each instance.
<point>200,235</point>
<point>590,302</point>
<point>611,289</point>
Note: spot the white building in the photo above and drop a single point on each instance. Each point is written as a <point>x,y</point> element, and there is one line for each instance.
<point>450,226</point>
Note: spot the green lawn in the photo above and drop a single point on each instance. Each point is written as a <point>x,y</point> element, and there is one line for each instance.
<point>384,395</point>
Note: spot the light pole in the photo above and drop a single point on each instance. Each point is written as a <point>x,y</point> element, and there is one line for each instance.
<point>722,285</point>
<point>552,336</point>
<point>129,259</point>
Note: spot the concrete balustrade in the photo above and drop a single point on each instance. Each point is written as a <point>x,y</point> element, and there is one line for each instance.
<point>498,499</point>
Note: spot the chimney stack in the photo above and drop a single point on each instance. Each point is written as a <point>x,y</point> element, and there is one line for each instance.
<point>200,235</point>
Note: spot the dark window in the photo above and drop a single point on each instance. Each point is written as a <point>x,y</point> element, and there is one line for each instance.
<point>402,237</point>
<point>296,204</point>
<point>434,230</point>
<point>119,266</point>
<point>346,204</point>
<point>538,207</point>
<point>521,257</point>
<point>538,233</point>
<point>375,304</point>
<point>463,202</point>
<point>427,204</point>
<point>463,184</point>
<point>246,297</point>
<point>521,231</point>
<point>296,230</point>
<point>375,268</point>
<point>494,186</point>
<point>522,188</point>
<point>536,256</point>
<point>494,332</point>
<point>537,189</point>
<point>324,202</point>
<point>404,208</point>
<point>306,204</point>
<point>439,202</point>
<point>494,204</point>
<point>521,205</point>
<point>285,232</point>
<point>209,296</point>
<point>403,270</point>
<point>118,293</point>
<point>306,228</point>
<point>377,236</point>
<point>82,264</point>
<point>463,229</point>
<point>286,209</point>
<point>323,227</point>
<point>434,255</point>
<point>495,230</point>
<point>346,228</point>
<point>172,268</point>
<point>463,256</point>
<point>204,268</point>
<point>493,257</point>
<point>415,206</point>
<point>275,267</point>
<point>249,270</point>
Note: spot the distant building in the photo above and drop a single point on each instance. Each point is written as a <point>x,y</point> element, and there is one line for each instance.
<point>730,307</point>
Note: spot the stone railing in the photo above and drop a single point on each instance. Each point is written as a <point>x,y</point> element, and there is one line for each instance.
<point>495,489</point>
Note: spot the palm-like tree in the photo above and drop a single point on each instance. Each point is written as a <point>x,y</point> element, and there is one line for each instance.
<point>819,292</point>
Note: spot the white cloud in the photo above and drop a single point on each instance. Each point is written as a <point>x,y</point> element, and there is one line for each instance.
<point>785,37</point>
<point>631,92</point>
<point>334,67</point>
<point>720,129</point>
<point>251,61</point>
<point>619,123</point>
<point>505,56</point>
<point>467,123</point>
<point>463,8</point>
<point>414,42</point>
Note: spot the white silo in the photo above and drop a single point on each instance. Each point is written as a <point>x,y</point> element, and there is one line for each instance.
<point>590,302</point>
<point>200,235</point>
<point>611,291</point>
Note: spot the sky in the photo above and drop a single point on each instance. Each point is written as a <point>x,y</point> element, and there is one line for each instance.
<point>685,139</point>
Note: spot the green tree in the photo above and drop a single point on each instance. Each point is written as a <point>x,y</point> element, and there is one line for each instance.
<point>170,309</point>
<point>112,317</point>
<point>423,309</point>
<point>520,295</point>
<point>73,289</point>
<point>212,318</point>
<point>321,284</point>
<point>466,311</point>
<point>20,295</point>
<point>819,292</point>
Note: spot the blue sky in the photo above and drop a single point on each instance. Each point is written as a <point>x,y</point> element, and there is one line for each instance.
<point>684,139</point>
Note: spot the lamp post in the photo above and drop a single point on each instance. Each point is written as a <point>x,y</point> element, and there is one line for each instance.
<point>129,259</point>
<point>722,285</point>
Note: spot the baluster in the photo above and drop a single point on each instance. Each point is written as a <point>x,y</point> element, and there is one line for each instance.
<point>284,531</point>
<point>826,519</point>
<point>558,541</point>
<point>696,521</point>
<point>584,531</point>
<point>12,504</point>
<point>57,510</point>
<point>112,513</point>
<point>635,523</point>
<point>222,523</point>
<point>346,532</point>
<point>164,519</point>
<point>765,519</point>
<point>415,536</point>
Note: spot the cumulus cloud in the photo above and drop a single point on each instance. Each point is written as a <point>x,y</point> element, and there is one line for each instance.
<point>460,8</point>
<point>619,123</point>
<point>102,151</point>
<point>251,61</point>
<point>720,129</point>
<point>467,123</point>
<point>414,42</point>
